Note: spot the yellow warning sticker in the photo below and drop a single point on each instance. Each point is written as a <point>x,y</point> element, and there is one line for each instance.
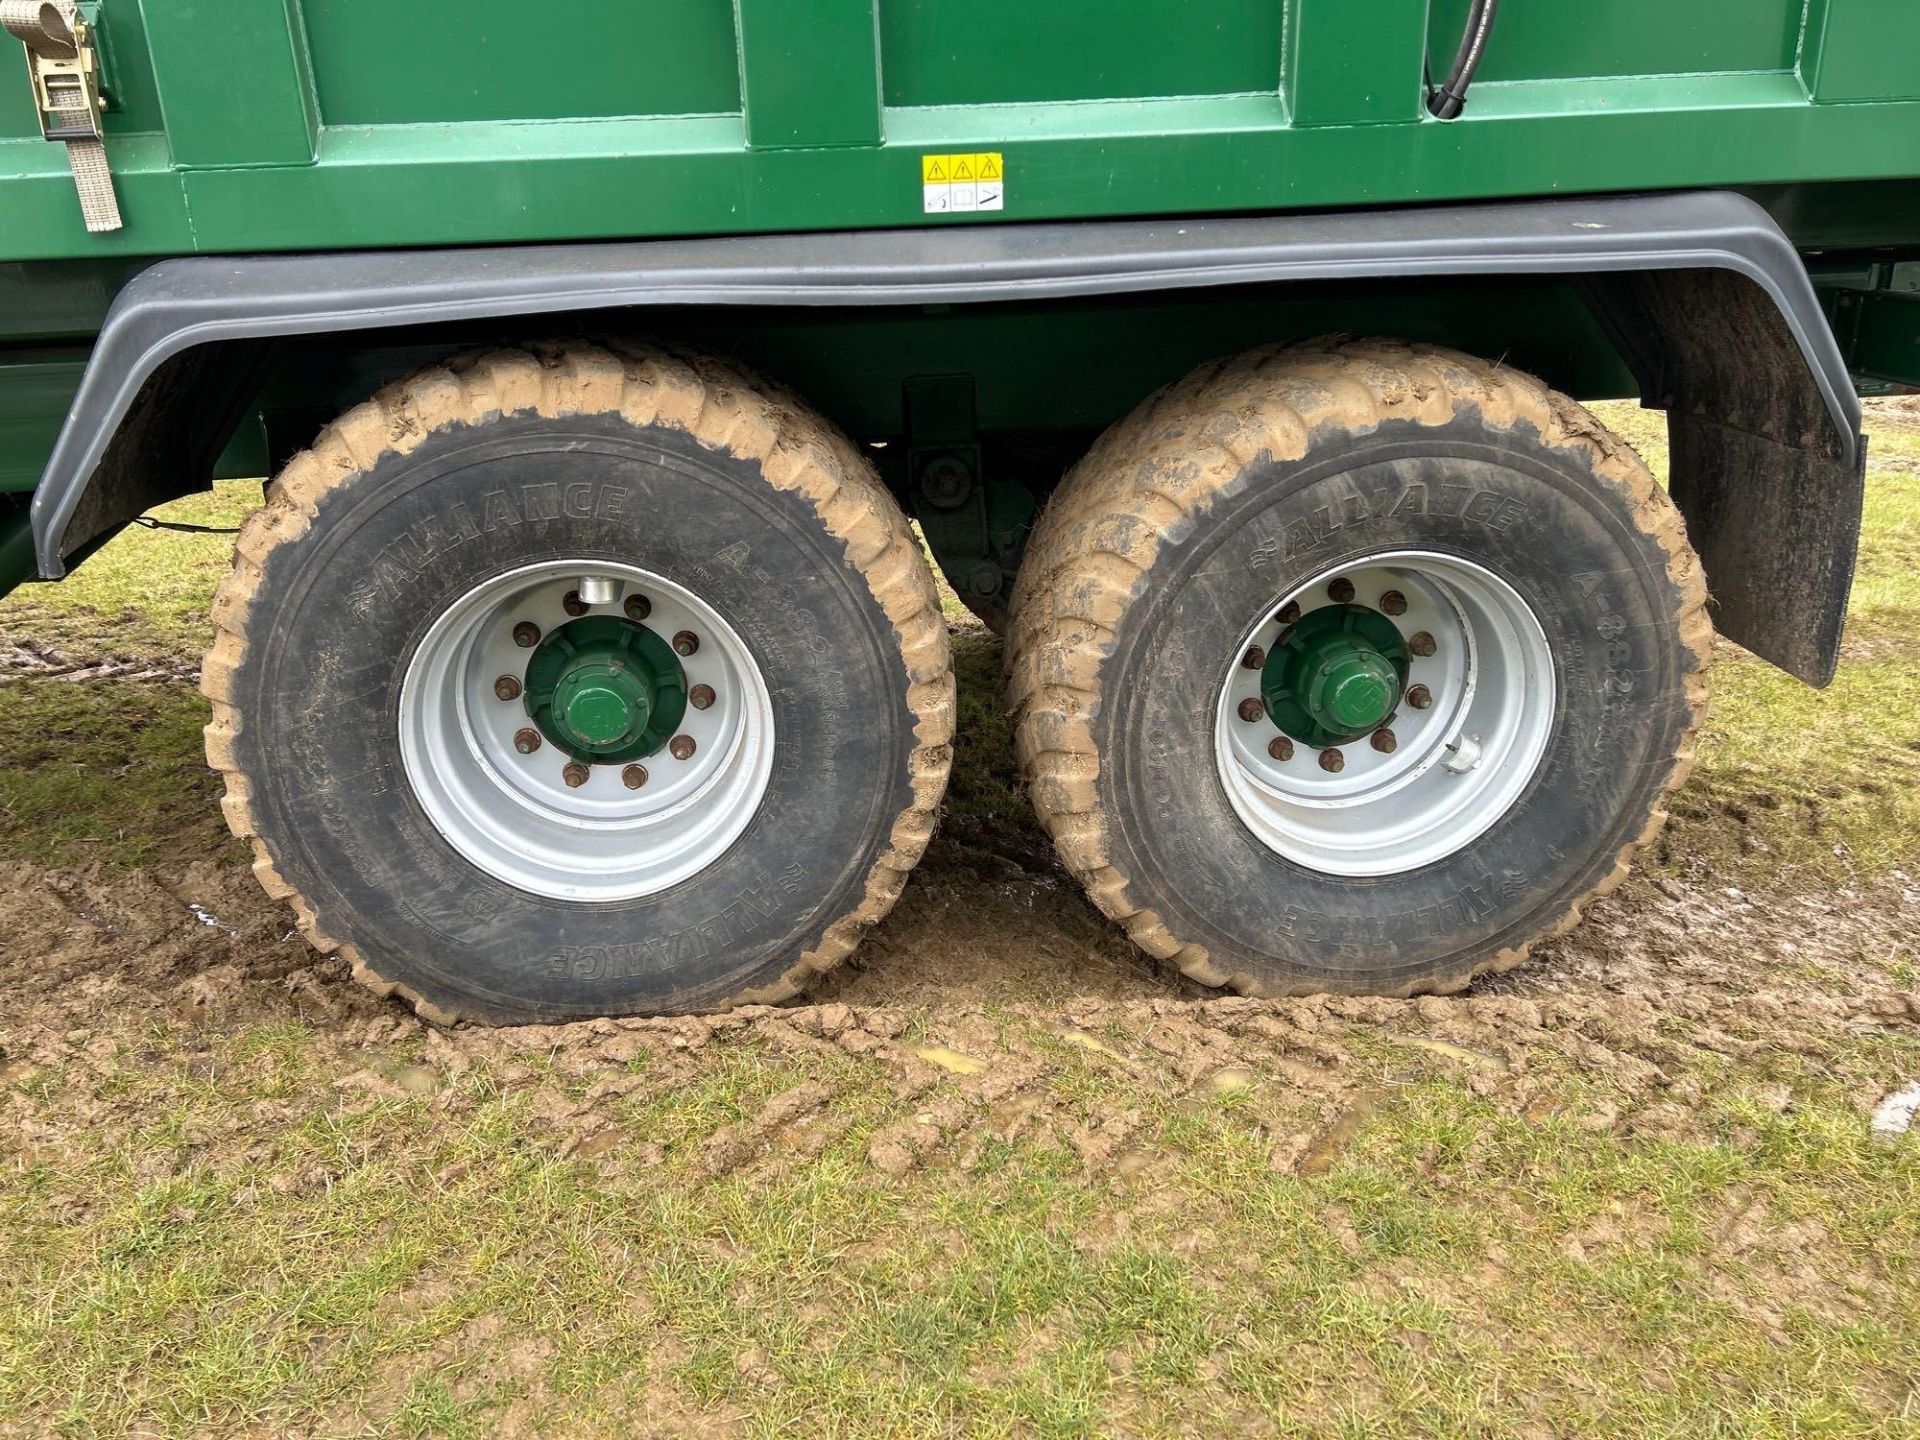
<point>963,183</point>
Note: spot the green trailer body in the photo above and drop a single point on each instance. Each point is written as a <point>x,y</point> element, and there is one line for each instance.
<point>973,234</point>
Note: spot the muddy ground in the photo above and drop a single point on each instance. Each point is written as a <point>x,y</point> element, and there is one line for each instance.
<point>1672,970</point>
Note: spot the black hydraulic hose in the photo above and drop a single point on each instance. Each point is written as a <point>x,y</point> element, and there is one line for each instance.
<point>1451,97</point>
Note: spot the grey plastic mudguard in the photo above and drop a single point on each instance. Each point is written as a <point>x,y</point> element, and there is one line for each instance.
<point>124,446</point>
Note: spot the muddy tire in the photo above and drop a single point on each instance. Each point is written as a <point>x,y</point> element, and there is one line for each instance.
<point>1355,667</point>
<point>563,682</point>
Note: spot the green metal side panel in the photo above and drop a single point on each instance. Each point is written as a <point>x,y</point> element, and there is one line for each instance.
<point>965,52</point>
<point>334,124</point>
<point>1355,64</point>
<point>504,59</point>
<point>811,72</point>
<point>322,124</point>
<point>1623,37</point>
<point>1862,49</point>
<point>233,81</point>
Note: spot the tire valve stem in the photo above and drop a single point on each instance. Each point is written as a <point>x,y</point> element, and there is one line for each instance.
<point>1332,761</point>
<point>681,747</point>
<point>634,776</point>
<point>1340,591</point>
<point>685,643</point>
<point>1254,658</point>
<point>1419,697</point>
<point>507,688</point>
<point>526,741</point>
<point>1280,748</point>
<point>700,697</point>
<point>1384,741</point>
<point>575,774</point>
<point>1393,603</point>
<point>526,634</point>
<point>1253,708</point>
<point>1421,643</point>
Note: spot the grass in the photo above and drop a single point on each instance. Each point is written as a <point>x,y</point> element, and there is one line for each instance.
<point>145,593</point>
<point>1459,1271</point>
<point>210,1226</point>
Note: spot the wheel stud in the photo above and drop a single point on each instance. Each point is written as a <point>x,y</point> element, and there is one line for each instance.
<point>700,697</point>
<point>526,741</point>
<point>526,634</point>
<point>1393,603</point>
<point>1289,613</point>
<point>1280,748</point>
<point>1421,643</point>
<point>507,688</point>
<point>1252,708</point>
<point>573,604</point>
<point>1384,742</point>
<point>575,774</point>
<point>681,747</point>
<point>634,776</point>
<point>1332,761</point>
<point>685,643</point>
<point>1340,591</point>
<point>1254,658</point>
<point>638,607</point>
<point>1419,697</point>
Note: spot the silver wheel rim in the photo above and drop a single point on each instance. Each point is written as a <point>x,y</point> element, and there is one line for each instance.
<point>513,815</point>
<point>1457,766</point>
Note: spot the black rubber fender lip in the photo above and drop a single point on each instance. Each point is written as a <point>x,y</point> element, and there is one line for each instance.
<point>178,305</point>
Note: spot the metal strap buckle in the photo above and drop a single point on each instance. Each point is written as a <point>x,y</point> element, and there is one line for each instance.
<point>64,71</point>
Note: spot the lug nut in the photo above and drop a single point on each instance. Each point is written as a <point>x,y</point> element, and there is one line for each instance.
<point>700,696</point>
<point>1384,742</point>
<point>573,604</point>
<point>575,774</point>
<point>1280,748</point>
<point>1254,658</point>
<point>685,643</point>
<point>1421,643</point>
<point>638,607</point>
<point>681,747</point>
<point>1289,613</point>
<point>1252,708</point>
<point>1332,761</point>
<point>1393,603</point>
<point>526,634</point>
<point>634,776</point>
<point>526,741</point>
<point>1419,697</point>
<point>507,688</point>
<point>1340,591</point>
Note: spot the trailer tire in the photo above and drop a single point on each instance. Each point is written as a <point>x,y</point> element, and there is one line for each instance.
<point>486,468</point>
<point>1240,498</point>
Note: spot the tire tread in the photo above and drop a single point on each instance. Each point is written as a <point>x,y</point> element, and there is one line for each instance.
<point>1188,446</point>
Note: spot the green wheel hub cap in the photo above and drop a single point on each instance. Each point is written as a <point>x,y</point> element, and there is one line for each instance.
<point>605,690</point>
<point>1335,676</point>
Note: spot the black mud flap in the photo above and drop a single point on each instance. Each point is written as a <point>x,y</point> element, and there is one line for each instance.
<point>1768,480</point>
